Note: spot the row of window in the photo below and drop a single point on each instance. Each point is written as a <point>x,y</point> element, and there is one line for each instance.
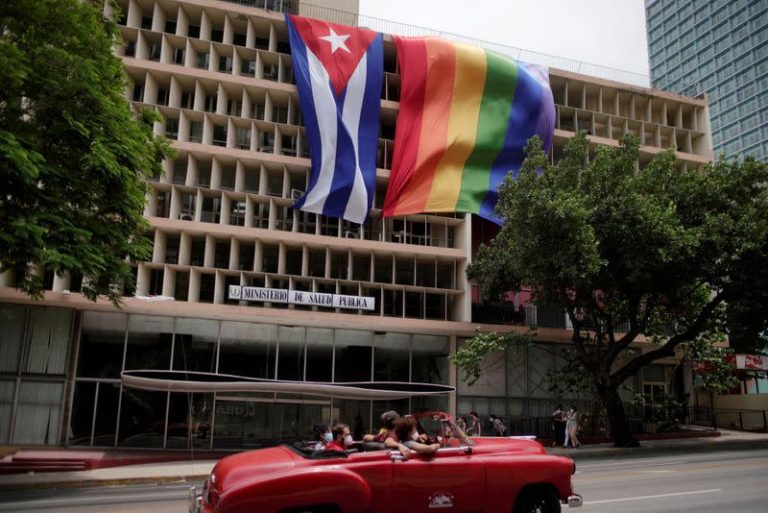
<point>252,255</point>
<point>210,286</point>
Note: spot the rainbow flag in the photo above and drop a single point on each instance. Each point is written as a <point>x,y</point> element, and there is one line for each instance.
<point>465,116</point>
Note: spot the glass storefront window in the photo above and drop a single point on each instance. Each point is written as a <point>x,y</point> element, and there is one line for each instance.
<point>319,354</point>
<point>49,336</point>
<point>354,351</point>
<point>101,345</point>
<point>194,346</point>
<point>142,418</point>
<point>430,359</point>
<point>37,413</point>
<point>248,349</point>
<point>7,392</point>
<point>189,421</point>
<point>244,422</point>
<point>94,413</point>
<point>290,358</point>
<point>82,413</point>
<point>149,342</point>
<point>392,357</point>
<point>12,319</point>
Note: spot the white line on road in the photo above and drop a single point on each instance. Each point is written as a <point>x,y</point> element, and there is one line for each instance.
<point>625,466</point>
<point>644,497</point>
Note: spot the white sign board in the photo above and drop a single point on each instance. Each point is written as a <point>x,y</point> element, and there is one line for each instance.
<point>300,297</point>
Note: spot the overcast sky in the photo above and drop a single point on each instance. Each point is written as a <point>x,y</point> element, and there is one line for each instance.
<point>605,32</point>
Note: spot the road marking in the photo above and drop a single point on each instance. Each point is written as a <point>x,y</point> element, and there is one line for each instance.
<point>645,497</point>
<point>639,465</point>
<point>658,471</point>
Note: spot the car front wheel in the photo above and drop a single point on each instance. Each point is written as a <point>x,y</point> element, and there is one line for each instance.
<point>539,500</point>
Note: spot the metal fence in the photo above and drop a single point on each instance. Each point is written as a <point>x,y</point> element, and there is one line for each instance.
<point>642,421</point>
<point>740,420</point>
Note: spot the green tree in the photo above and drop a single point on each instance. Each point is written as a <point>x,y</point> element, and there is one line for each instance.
<point>630,254</point>
<point>74,158</point>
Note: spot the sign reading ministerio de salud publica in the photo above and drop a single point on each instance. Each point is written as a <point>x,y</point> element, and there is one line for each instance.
<point>300,297</point>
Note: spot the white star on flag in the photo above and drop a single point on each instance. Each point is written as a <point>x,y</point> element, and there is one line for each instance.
<point>337,41</point>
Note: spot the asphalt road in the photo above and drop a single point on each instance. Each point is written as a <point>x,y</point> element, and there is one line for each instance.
<point>723,482</point>
<point>727,482</point>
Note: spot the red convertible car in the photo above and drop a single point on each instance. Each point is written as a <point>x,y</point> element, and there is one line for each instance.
<point>504,475</point>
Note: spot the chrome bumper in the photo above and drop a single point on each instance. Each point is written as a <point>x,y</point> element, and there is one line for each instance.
<point>575,501</point>
<point>195,501</point>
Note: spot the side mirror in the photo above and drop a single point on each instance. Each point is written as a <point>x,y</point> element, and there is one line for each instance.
<point>468,449</point>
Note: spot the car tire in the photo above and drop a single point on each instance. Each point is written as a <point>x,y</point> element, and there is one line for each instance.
<point>538,500</point>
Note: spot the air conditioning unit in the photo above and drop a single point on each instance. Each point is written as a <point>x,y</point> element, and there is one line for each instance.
<point>296,194</point>
<point>186,217</point>
<point>350,234</point>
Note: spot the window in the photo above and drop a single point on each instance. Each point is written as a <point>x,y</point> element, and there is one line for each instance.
<point>237,217</point>
<point>234,108</point>
<point>194,31</point>
<point>146,22</point>
<point>130,49</point>
<point>210,103</point>
<point>154,52</point>
<point>243,138</point>
<point>196,132</point>
<point>170,26</point>
<point>217,35</point>
<point>270,72</point>
<point>202,60</point>
<point>172,128</point>
<point>267,142</point>
<point>249,68</point>
<point>238,39</point>
<point>178,56</point>
<point>179,171</point>
<point>219,135</point>
<point>225,64</point>
<point>138,92</point>
<point>187,100</point>
<point>162,96</point>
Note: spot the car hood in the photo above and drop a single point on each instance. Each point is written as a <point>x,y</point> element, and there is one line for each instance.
<point>234,469</point>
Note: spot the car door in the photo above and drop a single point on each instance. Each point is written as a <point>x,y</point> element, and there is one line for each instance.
<point>450,480</point>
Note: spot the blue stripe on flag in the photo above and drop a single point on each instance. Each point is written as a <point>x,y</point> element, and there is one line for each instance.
<point>301,74</point>
<point>523,118</point>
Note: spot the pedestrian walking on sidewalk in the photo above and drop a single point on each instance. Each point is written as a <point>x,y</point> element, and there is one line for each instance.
<point>558,425</point>
<point>572,427</point>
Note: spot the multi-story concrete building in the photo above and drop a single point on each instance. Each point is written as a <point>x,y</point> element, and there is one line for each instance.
<point>721,48</point>
<point>220,74</point>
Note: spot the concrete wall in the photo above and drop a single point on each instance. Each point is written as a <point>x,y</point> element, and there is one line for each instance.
<point>741,402</point>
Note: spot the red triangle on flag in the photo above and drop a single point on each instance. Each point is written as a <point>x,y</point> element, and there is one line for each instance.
<point>338,47</point>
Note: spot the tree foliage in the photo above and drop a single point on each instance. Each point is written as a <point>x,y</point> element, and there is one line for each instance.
<point>74,158</point>
<point>631,254</point>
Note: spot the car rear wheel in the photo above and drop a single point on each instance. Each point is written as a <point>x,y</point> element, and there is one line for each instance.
<point>538,500</point>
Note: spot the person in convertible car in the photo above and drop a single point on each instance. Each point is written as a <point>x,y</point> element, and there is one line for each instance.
<point>341,437</point>
<point>406,437</point>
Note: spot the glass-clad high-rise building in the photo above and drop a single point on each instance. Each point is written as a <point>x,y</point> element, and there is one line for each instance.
<point>721,48</point>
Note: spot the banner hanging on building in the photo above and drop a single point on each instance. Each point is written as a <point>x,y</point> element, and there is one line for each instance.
<point>338,71</point>
<point>465,117</point>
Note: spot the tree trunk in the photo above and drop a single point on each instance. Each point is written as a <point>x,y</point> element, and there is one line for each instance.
<point>617,418</point>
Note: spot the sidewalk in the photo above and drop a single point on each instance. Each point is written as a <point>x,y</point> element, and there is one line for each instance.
<point>727,441</point>
<point>197,470</point>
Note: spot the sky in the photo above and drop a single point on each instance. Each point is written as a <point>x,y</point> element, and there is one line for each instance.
<point>604,32</point>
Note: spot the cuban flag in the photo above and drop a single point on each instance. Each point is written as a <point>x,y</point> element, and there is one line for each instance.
<point>338,70</point>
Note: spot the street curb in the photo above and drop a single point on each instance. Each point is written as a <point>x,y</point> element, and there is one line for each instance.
<point>97,483</point>
<point>637,452</point>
